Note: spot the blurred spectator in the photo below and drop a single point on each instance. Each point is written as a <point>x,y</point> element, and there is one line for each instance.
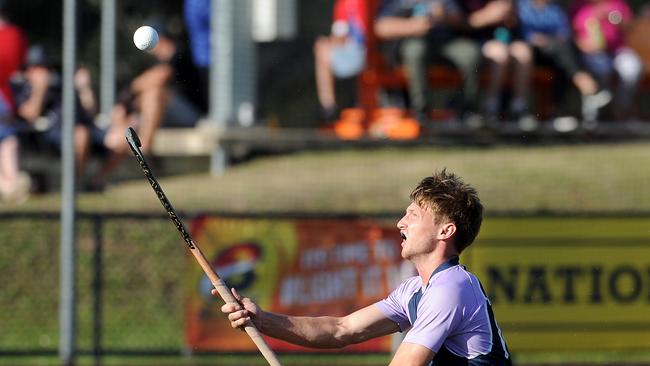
<point>545,26</point>
<point>416,33</point>
<point>599,27</point>
<point>504,48</point>
<point>39,101</point>
<point>14,184</point>
<point>342,54</point>
<point>197,21</point>
<point>159,96</point>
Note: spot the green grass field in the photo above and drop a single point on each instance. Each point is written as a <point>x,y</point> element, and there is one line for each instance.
<point>575,178</point>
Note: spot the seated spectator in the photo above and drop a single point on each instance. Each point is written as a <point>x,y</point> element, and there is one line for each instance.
<point>417,33</point>
<point>599,27</point>
<point>505,48</point>
<point>159,96</point>
<point>38,95</point>
<point>545,27</point>
<point>341,55</point>
<point>14,184</point>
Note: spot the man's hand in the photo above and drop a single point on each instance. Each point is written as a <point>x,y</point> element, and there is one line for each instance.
<point>38,76</point>
<point>242,312</point>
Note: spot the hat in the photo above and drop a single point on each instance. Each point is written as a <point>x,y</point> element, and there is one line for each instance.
<point>36,56</point>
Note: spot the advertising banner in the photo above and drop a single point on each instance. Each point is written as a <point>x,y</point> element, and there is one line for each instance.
<point>567,283</point>
<point>555,283</point>
<point>300,267</point>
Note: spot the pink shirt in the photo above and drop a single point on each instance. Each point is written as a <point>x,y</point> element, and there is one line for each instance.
<point>610,15</point>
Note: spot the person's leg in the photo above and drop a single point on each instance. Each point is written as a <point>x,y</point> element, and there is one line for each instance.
<point>465,54</point>
<point>324,77</point>
<point>115,142</point>
<point>82,148</point>
<point>601,66</point>
<point>629,69</point>
<point>15,185</point>
<point>496,53</point>
<point>151,104</point>
<point>8,164</point>
<point>522,56</point>
<point>414,55</point>
<point>563,55</point>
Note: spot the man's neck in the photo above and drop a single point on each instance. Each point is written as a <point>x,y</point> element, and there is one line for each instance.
<point>427,265</point>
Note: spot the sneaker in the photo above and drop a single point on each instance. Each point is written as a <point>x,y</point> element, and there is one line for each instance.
<point>565,124</point>
<point>20,192</point>
<point>527,122</point>
<point>592,103</point>
<point>473,121</point>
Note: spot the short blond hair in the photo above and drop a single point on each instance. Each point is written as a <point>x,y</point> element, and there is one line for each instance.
<point>451,199</point>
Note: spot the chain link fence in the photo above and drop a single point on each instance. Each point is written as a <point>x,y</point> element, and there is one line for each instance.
<point>128,284</point>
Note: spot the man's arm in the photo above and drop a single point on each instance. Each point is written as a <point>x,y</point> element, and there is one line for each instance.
<point>397,27</point>
<point>316,332</point>
<point>412,354</point>
<point>39,80</point>
<point>493,13</point>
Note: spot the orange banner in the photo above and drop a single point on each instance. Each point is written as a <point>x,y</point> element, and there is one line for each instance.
<point>299,267</point>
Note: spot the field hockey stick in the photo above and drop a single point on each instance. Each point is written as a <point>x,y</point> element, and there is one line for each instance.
<point>217,282</point>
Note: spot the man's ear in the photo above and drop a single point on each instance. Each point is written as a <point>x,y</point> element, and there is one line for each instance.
<point>447,231</point>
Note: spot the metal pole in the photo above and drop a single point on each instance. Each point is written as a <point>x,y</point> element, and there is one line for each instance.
<point>107,72</point>
<point>221,52</point>
<point>67,318</point>
<point>220,76</point>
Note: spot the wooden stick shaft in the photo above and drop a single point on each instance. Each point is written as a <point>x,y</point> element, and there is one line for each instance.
<point>226,295</point>
<point>223,290</point>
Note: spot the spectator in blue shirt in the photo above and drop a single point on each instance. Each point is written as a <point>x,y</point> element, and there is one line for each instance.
<point>545,27</point>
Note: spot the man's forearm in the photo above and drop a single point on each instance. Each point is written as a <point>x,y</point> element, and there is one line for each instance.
<point>394,27</point>
<point>315,332</point>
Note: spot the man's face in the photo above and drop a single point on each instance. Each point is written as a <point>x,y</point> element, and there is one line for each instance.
<point>419,230</point>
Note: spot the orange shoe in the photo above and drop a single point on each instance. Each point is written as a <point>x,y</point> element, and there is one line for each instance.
<point>406,129</point>
<point>391,123</point>
<point>350,125</point>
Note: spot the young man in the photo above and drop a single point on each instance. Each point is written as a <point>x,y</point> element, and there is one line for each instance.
<point>448,316</point>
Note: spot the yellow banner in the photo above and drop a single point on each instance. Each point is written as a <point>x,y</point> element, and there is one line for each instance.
<point>567,284</point>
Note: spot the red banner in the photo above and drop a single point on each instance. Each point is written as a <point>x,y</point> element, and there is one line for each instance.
<point>298,267</point>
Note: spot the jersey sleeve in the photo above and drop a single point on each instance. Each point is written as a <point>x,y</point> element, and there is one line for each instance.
<point>394,309</point>
<point>439,315</point>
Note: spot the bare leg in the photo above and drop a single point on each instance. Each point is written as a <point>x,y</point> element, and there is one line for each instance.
<point>585,83</point>
<point>82,147</point>
<point>523,57</point>
<point>116,143</point>
<point>497,53</point>
<point>152,103</point>
<point>324,78</point>
<point>8,164</point>
<point>15,185</point>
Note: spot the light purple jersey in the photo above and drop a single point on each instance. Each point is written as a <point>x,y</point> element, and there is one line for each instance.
<point>453,312</point>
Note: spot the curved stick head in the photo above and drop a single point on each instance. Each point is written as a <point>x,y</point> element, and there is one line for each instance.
<point>132,138</point>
